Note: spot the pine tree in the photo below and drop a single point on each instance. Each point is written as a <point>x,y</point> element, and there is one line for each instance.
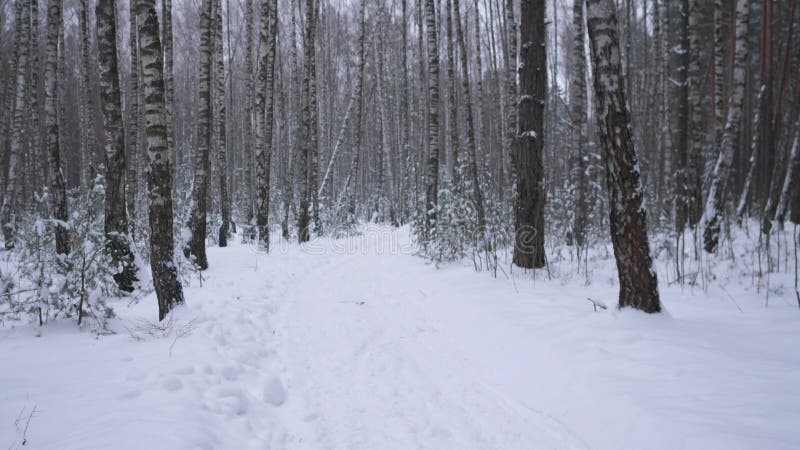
<point>529,142</point>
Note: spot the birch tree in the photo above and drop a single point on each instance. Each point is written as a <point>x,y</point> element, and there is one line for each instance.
<point>308,124</point>
<point>637,278</point>
<point>89,140</point>
<point>578,100</point>
<point>265,101</point>
<point>7,210</point>
<point>220,116</point>
<point>159,176</point>
<point>712,215</point>
<point>432,169</point>
<point>116,219</point>
<point>477,194</point>
<point>58,192</point>
<point>195,249</point>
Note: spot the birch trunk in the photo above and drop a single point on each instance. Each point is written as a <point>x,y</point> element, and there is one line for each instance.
<point>7,210</point>
<point>308,124</point>
<point>637,279</point>
<point>358,96</point>
<point>133,113</point>
<point>578,100</point>
<point>477,194</point>
<point>90,161</point>
<point>58,192</point>
<point>432,169</point>
<point>196,247</point>
<point>222,142</point>
<point>116,219</point>
<point>159,176</point>
<point>265,100</point>
<point>712,215</point>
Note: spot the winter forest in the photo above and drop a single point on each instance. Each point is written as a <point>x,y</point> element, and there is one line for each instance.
<point>368,224</point>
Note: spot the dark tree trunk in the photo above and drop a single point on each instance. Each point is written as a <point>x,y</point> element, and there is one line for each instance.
<point>529,142</point>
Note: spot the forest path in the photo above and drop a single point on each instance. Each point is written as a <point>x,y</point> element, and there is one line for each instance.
<point>356,343</point>
<point>365,345</point>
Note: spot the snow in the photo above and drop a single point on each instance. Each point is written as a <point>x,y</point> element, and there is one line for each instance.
<point>359,344</point>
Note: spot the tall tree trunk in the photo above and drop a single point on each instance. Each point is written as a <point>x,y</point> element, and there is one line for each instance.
<point>222,142</point>
<point>477,194</point>
<point>308,126</point>
<point>159,176</point>
<point>134,124</point>
<point>529,142</point>
<point>265,101</point>
<point>637,279</point>
<point>694,172</point>
<point>116,220</point>
<point>432,169</point>
<point>196,247</point>
<point>57,186</point>
<point>405,120</point>
<point>35,114</point>
<point>7,211</point>
<point>249,110</point>
<point>169,79</point>
<point>510,134</point>
<point>682,157</point>
<point>313,127</point>
<point>90,161</point>
<point>452,109</point>
<point>719,75</point>
<point>578,100</point>
<point>358,96</point>
<point>712,215</point>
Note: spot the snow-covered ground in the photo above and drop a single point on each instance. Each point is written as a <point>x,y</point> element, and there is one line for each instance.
<point>358,344</point>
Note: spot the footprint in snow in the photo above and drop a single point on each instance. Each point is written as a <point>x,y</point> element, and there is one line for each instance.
<point>274,392</point>
<point>172,384</point>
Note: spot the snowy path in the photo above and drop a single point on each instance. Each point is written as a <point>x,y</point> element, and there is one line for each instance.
<point>372,359</point>
<point>357,344</point>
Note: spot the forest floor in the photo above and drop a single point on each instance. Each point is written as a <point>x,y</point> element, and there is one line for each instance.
<point>359,344</point>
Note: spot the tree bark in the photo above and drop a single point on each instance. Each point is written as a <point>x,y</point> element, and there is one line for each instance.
<point>116,219</point>
<point>7,210</point>
<point>196,247</point>
<point>477,194</point>
<point>432,169</point>
<point>222,142</point>
<point>637,279</point>
<point>159,176</point>
<point>58,192</point>
<point>529,142</point>
<point>578,100</point>
<point>265,101</point>
<point>712,215</point>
